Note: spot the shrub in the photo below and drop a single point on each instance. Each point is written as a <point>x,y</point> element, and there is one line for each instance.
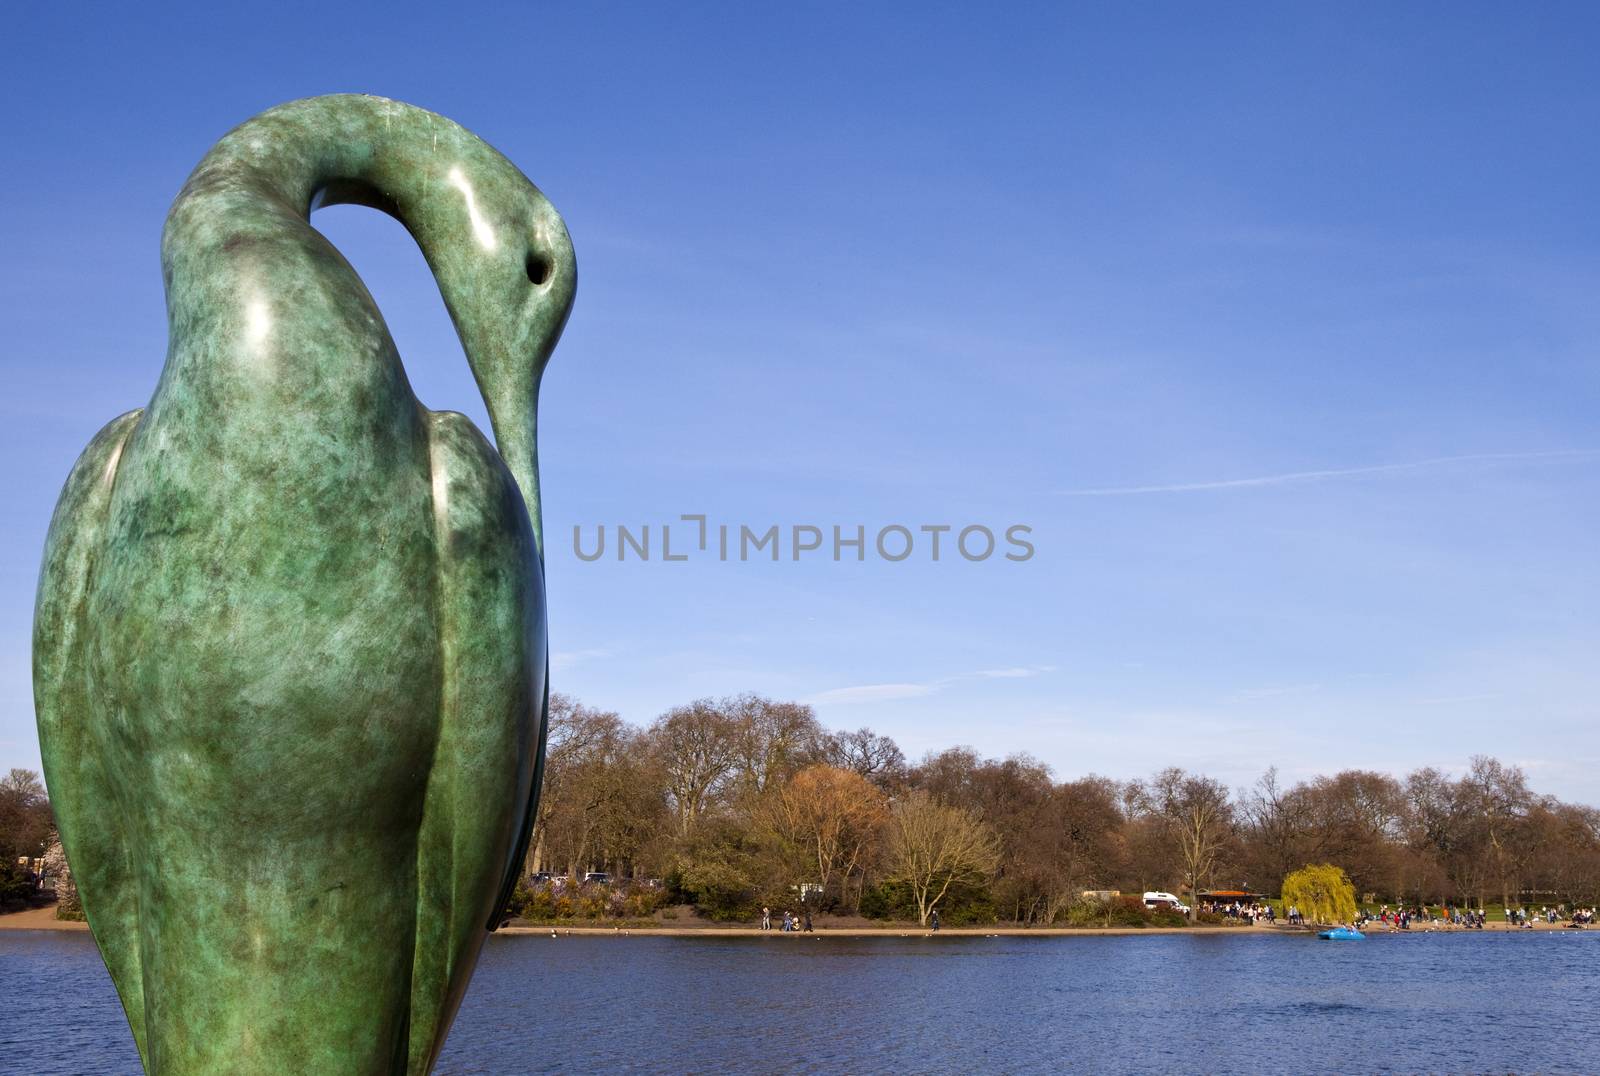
<point>537,903</point>
<point>545,903</point>
<point>1123,911</point>
<point>16,884</point>
<point>963,905</point>
<point>888,900</point>
<point>722,891</point>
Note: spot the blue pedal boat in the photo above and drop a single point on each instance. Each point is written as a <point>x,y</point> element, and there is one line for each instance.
<point>1341,934</point>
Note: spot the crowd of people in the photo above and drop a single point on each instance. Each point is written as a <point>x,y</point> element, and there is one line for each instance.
<point>1401,918</point>
<point>1526,917</point>
<point>1244,913</point>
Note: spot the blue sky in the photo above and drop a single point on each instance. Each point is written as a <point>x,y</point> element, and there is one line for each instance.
<point>1277,328</point>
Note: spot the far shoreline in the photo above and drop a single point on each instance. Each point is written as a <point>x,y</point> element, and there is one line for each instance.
<point>912,931</point>
<point>44,919</point>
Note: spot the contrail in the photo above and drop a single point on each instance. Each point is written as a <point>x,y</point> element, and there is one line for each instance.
<point>1341,472</point>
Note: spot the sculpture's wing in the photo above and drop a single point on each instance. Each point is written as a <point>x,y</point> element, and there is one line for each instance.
<point>71,720</point>
<point>512,872</point>
<point>488,591</point>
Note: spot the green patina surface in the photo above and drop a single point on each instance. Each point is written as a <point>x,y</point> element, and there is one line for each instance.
<point>289,653</point>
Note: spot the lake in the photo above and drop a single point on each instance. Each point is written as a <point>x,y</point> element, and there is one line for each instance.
<point>1164,1003</point>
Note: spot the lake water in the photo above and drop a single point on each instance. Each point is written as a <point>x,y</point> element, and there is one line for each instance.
<point>1164,1003</point>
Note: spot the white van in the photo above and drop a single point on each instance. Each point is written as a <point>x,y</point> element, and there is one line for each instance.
<point>1165,900</point>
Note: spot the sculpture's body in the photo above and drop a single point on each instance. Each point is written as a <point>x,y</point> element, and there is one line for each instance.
<point>289,651</point>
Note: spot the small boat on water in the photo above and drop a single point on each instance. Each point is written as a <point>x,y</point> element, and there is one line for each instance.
<point>1341,934</point>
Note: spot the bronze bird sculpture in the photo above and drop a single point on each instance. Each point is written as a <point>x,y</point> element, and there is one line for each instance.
<point>289,648</point>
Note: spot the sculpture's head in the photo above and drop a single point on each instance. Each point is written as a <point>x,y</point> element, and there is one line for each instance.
<point>506,269</point>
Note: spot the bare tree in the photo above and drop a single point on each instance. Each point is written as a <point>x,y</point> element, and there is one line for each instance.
<point>1279,825</point>
<point>1080,842</point>
<point>574,733</point>
<point>1357,817</point>
<point>775,741</point>
<point>932,847</point>
<point>877,758</point>
<point>1499,800</point>
<point>1439,837</point>
<point>948,775</point>
<point>1013,798</point>
<point>698,746</point>
<point>1196,812</point>
<point>831,818</point>
<point>611,806</point>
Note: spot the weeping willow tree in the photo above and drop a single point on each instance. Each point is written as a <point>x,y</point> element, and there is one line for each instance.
<point>1322,893</point>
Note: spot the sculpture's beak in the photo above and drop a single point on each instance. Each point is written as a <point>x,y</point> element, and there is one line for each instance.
<point>511,387</point>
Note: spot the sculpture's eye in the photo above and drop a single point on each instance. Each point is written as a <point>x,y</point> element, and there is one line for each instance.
<point>538,267</point>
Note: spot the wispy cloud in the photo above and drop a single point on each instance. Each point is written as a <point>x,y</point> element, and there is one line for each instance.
<point>917,690</point>
<point>1451,700</point>
<point>1252,694</point>
<point>878,692</point>
<point>1294,477</point>
<point>1017,673</point>
<point>566,659</point>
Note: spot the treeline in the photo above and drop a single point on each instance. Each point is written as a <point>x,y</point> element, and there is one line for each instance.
<point>738,803</point>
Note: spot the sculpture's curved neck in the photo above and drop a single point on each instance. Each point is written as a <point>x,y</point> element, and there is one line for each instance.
<point>327,151</point>
<point>240,228</point>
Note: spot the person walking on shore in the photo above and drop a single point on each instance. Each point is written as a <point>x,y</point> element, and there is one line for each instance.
<point>934,917</point>
<point>766,918</point>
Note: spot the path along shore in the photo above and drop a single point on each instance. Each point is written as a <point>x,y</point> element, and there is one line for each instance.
<point>44,919</point>
<point>38,919</point>
<point>904,931</point>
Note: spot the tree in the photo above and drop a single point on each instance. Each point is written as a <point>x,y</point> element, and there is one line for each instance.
<point>1439,836</point>
<point>26,821</point>
<point>1357,819</point>
<point>932,846</point>
<point>698,746</point>
<point>1196,813</point>
<point>1080,842</point>
<point>1014,799</point>
<point>877,758</point>
<point>948,775</point>
<point>574,734</point>
<point>775,740</point>
<point>1279,826</point>
<point>605,797</point>
<point>1322,893</point>
<point>1498,800</point>
<point>831,818</point>
<point>1149,849</point>
<point>1565,857</point>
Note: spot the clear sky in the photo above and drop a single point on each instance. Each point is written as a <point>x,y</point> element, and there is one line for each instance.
<point>1279,329</point>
